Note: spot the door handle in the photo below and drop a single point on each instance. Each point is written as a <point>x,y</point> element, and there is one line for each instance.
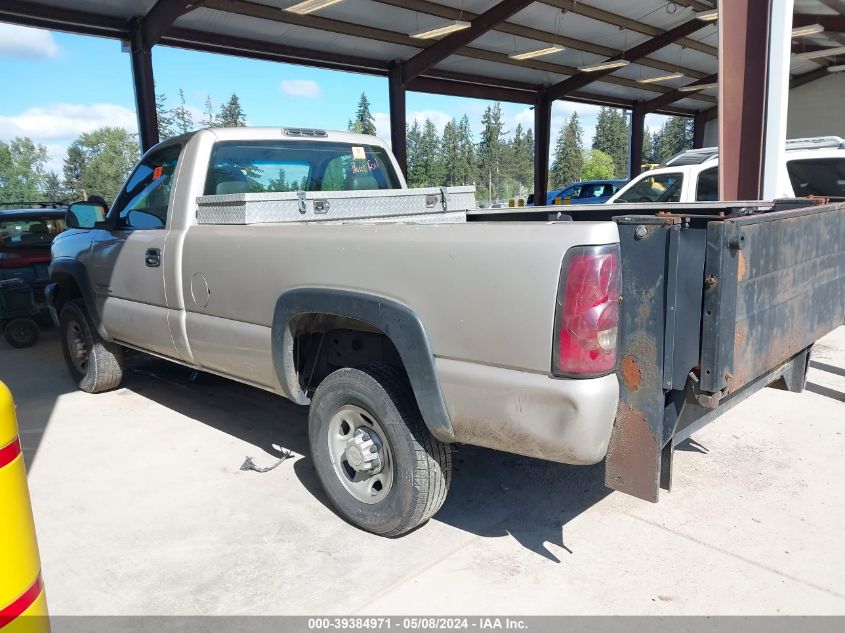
<point>152,257</point>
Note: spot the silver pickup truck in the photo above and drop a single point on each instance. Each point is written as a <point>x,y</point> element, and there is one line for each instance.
<point>267,256</point>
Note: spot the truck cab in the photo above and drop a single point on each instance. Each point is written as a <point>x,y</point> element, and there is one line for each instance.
<point>813,167</point>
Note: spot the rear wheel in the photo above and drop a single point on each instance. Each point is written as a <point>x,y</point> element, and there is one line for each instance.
<point>380,466</point>
<point>93,363</point>
<point>21,333</point>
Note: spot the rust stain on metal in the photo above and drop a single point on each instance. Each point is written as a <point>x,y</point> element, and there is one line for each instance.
<point>742,267</point>
<point>631,443</point>
<point>630,372</point>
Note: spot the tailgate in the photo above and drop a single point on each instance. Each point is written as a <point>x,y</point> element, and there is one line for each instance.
<point>774,284</point>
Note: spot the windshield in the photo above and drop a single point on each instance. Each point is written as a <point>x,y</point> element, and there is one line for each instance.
<point>266,166</point>
<point>29,232</point>
<point>655,188</point>
<point>818,177</point>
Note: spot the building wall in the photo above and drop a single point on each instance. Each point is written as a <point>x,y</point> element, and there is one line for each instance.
<point>815,109</point>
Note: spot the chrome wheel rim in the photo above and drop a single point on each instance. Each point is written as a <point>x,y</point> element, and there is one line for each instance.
<point>360,454</point>
<point>77,346</point>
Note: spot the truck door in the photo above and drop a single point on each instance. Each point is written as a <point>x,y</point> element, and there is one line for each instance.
<point>128,257</point>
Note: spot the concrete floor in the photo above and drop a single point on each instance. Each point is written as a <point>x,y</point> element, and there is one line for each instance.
<point>141,509</point>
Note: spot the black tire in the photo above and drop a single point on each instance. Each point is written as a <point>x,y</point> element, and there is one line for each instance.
<point>422,465</point>
<point>21,333</point>
<point>101,368</point>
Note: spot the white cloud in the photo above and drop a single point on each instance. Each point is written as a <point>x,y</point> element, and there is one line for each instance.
<point>66,120</point>
<point>382,120</point>
<point>300,88</point>
<point>439,118</point>
<point>23,42</point>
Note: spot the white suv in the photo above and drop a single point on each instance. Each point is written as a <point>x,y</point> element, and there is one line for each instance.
<point>814,166</point>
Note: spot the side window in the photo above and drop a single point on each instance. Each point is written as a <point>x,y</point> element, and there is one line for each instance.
<point>144,201</point>
<point>655,188</point>
<point>708,185</point>
<point>587,191</point>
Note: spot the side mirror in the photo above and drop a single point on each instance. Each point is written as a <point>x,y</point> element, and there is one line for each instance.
<point>84,215</point>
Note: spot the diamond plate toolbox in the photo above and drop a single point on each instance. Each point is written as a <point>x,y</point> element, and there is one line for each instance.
<point>426,205</point>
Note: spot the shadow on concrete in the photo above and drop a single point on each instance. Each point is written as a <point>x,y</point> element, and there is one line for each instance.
<point>821,390</point>
<point>831,369</point>
<point>493,493</point>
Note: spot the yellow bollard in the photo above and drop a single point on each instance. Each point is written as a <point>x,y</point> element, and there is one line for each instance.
<point>21,588</point>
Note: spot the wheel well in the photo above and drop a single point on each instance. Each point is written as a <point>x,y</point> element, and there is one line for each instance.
<point>323,343</point>
<point>66,289</point>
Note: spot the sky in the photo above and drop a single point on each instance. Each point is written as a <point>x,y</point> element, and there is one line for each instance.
<point>58,85</point>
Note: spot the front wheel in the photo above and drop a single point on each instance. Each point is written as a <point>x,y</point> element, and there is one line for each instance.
<point>21,333</point>
<point>380,466</point>
<point>94,364</point>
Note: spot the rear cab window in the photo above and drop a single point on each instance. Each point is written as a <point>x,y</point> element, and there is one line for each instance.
<point>279,166</point>
<point>817,177</point>
<point>664,187</point>
<point>707,188</point>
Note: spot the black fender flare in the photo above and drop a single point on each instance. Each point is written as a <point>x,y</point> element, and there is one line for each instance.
<point>398,322</point>
<point>76,270</point>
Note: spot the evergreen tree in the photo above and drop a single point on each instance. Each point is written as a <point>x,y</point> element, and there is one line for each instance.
<point>98,162</point>
<point>491,151</point>
<point>231,113</point>
<point>416,170</point>
<point>52,187</point>
<point>182,120</point>
<point>429,154</point>
<point>450,154</point>
<point>521,161</point>
<point>208,118</point>
<point>364,122</point>
<point>165,118</point>
<point>21,170</point>
<point>611,137</point>
<point>568,160</point>
<point>467,169</point>
<point>675,136</point>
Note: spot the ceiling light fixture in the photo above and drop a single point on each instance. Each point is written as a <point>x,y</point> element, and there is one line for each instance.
<point>548,50</point>
<point>708,16</point>
<point>608,65</point>
<point>697,87</point>
<point>439,31</point>
<point>836,69</point>
<point>810,29</point>
<point>824,52</point>
<point>654,80</point>
<point>309,6</point>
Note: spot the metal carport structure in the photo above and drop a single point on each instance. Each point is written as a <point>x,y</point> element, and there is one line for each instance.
<point>633,43</point>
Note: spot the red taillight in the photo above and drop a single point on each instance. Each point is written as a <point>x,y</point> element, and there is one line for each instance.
<point>588,312</point>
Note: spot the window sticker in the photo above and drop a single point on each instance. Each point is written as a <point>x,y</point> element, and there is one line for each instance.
<point>157,172</point>
<point>358,153</point>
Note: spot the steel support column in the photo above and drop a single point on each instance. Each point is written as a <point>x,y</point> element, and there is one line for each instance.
<point>743,70</point>
<point>635,153</point>
<point>698,126</point>
<point>398,118</point>
<point>542,141</point>
<point>144,86</point>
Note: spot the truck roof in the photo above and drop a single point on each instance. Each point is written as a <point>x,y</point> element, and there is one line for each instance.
<point>291,133</point>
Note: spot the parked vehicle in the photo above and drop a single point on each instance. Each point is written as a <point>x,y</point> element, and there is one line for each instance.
<point>586,192</point>
<point>814,167</point>
<point>26,233</point>
<point>297,261</point>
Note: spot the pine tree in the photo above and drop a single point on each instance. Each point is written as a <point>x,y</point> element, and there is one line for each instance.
<point>208,118</point>
<point>231,113</point>
<point>521,160</point>
<point>675,136</point>
<point>450,154</point>
<point>364,122</point>
<point>491,151</point>
<point>429,155</point>
<point>467,171</point>
<point>416,171</point>
<point>165,118</point>
<point>611,137</point>
<point>568,159</point>
<point>183,122</point>
<point>52,187</point>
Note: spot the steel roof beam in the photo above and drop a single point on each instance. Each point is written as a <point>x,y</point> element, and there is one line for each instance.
<point>831,23</point>
<point>162,16</point>
<point>652,45</point>
<point>676,95</point>
<point>511,28</point>
<point>436,53</point>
